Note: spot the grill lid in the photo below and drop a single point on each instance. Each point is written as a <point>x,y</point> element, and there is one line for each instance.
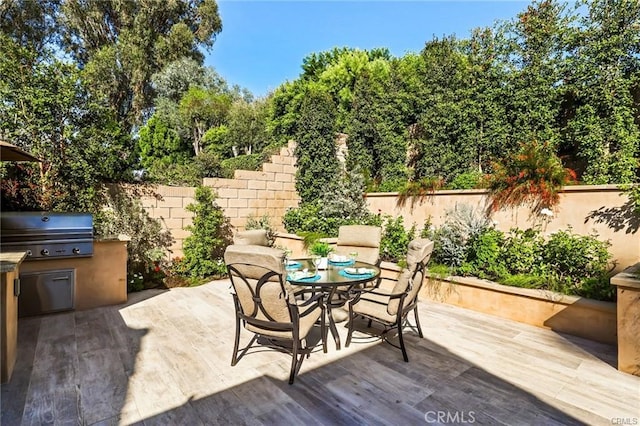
<point>44,235</point>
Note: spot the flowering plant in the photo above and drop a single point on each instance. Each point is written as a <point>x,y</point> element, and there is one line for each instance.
<point>534,176</point>
<point>135,282</point>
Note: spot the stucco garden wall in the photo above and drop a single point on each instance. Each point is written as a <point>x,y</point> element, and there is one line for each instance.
<point>600,208</point>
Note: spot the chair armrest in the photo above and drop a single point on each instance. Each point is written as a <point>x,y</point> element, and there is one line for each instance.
<point>311,304</point>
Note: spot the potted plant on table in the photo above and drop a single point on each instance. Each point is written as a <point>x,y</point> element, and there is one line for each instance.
<point>321,249</point>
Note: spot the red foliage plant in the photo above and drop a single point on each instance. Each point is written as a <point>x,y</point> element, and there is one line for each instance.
<point>533,176</point>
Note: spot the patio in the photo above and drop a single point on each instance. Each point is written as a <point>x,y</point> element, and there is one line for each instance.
<point>164,358</point>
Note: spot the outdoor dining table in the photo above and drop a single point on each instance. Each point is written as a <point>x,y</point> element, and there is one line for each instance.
<point>332,279</point>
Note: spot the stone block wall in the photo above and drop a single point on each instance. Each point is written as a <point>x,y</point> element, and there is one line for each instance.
<point>250,193</point>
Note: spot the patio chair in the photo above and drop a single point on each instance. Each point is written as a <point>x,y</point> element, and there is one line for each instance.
<point>391,308</point>
<point>363,239</point>
<point>266,307</point>
<point>256,237</point>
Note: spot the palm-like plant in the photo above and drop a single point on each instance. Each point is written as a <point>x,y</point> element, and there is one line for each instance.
<point>533,176</point>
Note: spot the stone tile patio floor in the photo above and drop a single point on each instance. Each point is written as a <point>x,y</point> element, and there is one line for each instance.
<point>164,358</point>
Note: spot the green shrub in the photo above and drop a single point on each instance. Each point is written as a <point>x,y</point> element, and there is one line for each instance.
<point>395,239</point>
<point>185,171</point>
<point>210,235</point>
<point>484,254</point>
<point>342,203</point>
<point>241,162</point>
<point>522,251</point>
<point>571,255</point>
<point>462,224</point>
<point>467,180</point>
<point>149,245</point>
<point>567,263</point>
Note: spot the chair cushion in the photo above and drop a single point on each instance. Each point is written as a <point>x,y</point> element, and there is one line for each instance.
<point>252,263</point>
<point>367,306</point>
<point>419,251</point>
<point>253,260</point>
<point>305,325</point>
<point>359,236</point>
<point>363,239</point>
<point>257,237</point>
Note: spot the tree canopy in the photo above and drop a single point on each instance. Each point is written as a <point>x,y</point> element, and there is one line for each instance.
<point>123,81</point>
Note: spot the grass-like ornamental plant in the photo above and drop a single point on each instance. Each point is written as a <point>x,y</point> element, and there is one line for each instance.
<point>533,176</point>
<point>320,248</point>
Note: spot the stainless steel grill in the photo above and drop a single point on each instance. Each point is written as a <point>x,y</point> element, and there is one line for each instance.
<point>47,235</point>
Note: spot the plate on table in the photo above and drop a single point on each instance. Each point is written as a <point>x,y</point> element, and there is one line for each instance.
<point>358,271</point>
<point>338,259</point>
<point>300,275</point>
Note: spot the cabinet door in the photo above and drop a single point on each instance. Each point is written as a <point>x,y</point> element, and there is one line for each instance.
<point>46,291</point>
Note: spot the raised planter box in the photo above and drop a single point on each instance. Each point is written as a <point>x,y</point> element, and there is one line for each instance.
<point>628,288</point>
<point>587,318</point>
<point>591,319</point>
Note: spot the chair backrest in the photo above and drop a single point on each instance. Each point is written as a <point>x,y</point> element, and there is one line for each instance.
<point>411,279</point>
<point>257,237</point>
<point>257,274</point>
<point>363,239</point>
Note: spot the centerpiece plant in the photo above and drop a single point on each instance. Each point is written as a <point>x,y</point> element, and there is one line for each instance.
<point>320,248</point>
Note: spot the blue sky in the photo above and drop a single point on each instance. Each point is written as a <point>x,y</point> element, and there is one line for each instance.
<point>263,43</point>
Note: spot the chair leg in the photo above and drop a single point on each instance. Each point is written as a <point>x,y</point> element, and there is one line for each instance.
<point>323,330</point>
<point>294,361</point>
<point>415,312</point>
<point>350,332</point>
<point>234,357</point>
<point>404,351</point>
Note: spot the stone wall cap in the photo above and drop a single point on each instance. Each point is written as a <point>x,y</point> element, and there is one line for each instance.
<point>629,278</point>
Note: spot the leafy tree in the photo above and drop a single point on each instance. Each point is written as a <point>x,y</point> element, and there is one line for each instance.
<point>537,42</point>
<point>444,144</point>
<point>246,128</point>
<point>201,109</point>
<point>175,79</point>
<point>122,44</point>
<point>376,139</point>
<point>47,109</point>
<point>605,73</point>
<point>30,23</point>
<point>159,142</point>
<point>316,147</point>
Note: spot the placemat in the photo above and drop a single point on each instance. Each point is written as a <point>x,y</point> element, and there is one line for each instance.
<point>348,275</point>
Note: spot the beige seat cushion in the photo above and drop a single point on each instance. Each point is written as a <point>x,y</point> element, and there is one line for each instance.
<point>363,239</point>
<point>253,262</point>
<point>306,323</point>
<point>257,237</point>
<point>373,309</point>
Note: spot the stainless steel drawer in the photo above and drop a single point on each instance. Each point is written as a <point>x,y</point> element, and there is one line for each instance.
<point>44,292</point>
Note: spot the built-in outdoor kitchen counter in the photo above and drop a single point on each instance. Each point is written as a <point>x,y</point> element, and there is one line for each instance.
<point>100,280</point>
<point>9,268</point>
